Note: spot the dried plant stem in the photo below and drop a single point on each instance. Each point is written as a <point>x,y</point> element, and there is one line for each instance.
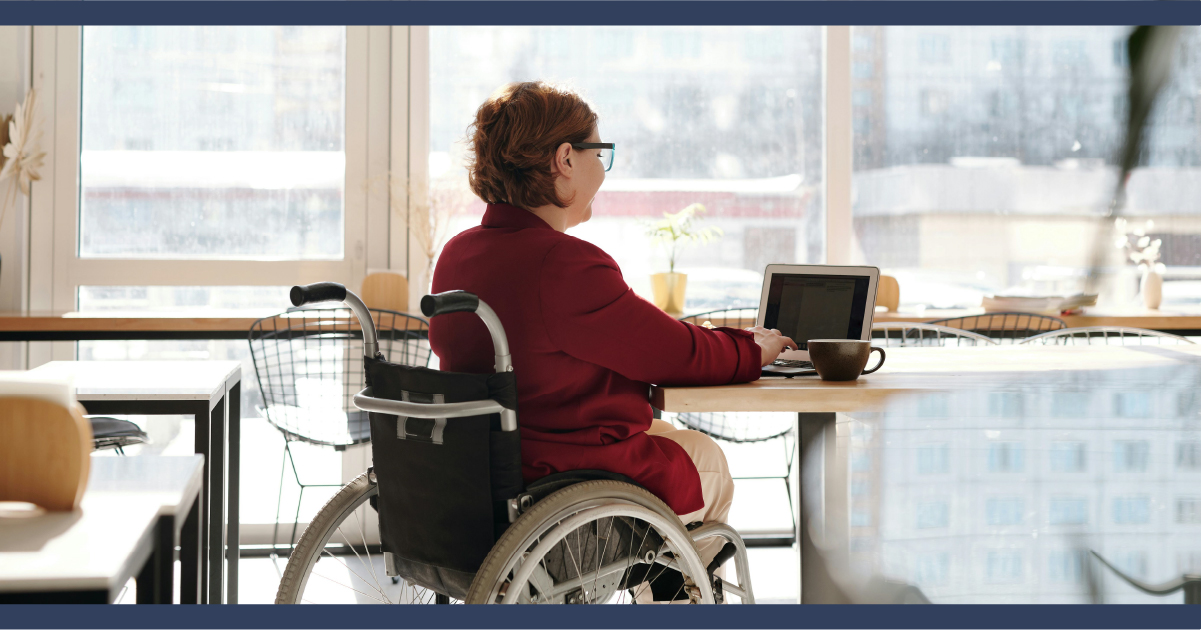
<point>10,201</point>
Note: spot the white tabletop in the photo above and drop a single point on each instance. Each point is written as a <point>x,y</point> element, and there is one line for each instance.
<point>96,547</point>
<point>173,481</point>
<point>144,380</point>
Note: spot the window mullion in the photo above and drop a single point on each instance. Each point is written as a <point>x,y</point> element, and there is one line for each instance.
<point>838,143</point>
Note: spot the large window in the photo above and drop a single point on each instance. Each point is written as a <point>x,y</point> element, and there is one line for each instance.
<point>727,117</point>
<point>213,142</point>
<point>223,154</point>
<point>984,159</point>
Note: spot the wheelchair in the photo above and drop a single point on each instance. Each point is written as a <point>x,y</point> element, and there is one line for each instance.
<point>455,519</point>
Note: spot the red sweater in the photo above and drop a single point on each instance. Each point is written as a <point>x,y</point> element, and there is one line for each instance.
<point>585,349</point>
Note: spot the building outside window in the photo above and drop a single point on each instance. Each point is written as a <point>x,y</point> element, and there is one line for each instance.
<point>1188,456</point>
<point>1067,457</point>
<point>1003,566</point>
<point>1133,562</point>
<point>1005,457</point>
<point>1131,456</point>
<point>699,115</point>
<point>932,514</point>
<point>990,166</point>
<point>931,569</point>
<point>1132,510</point>
<point>1188,510</point>
<point>933,459</point>
<point>1065,566</point>
<point>1004,511</point>
<point>1068,511</point>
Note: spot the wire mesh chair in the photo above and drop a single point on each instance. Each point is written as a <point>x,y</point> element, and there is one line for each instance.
<point>913,334</point>
<point>1106,335</point>
<point>743,427</point>
<point>1006,328</point>
<point>309,364</point>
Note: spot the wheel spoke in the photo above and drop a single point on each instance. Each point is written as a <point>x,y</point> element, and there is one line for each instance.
<point>351,587</point>
<point>367,550</point>
<point>360,558</point>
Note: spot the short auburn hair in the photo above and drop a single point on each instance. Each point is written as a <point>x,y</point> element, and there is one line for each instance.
<point>514,136</point>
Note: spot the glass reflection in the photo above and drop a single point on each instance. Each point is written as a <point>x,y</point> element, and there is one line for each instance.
<point>998,496</point>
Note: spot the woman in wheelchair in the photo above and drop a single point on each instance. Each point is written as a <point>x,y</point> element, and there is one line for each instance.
<point>584,345</point>
<point>540,330</point>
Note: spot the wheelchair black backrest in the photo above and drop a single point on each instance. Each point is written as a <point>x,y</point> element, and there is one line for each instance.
<point>444,485</point>
<point>445,447</point>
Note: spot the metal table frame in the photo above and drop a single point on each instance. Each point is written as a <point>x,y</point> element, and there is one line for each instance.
<point>218,425</point>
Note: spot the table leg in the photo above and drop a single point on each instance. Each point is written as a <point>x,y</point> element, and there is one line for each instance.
<point>815,448</point>
<point>234,403</point>
<point>203,440</point>
<point>190,544</point>
<point>216,522</point>
<point>156,580</point>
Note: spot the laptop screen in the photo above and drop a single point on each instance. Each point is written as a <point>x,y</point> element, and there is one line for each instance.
<point>809,306</point>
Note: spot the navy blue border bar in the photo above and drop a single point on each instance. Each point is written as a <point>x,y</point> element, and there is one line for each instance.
<point>603,12</point>
<point>864,616</point>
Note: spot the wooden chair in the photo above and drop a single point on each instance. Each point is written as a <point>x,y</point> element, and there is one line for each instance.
<point>386,290</point>
<point>888,293</point>
<point>1004,327</point>
<point>45,452</point>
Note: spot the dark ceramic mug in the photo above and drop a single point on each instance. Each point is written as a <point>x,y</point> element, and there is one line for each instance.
<point>842,359</point>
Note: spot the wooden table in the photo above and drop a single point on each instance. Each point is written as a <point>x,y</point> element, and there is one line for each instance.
<point>121,325</point>
<point>909,371</point>
<point>210,391</point>
<point>132,514</point>
<point>1185,323</point>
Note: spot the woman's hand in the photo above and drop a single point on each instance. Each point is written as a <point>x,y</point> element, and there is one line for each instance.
<point>771,342</point>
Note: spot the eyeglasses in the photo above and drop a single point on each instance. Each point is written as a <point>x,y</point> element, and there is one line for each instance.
<point>605,151</point>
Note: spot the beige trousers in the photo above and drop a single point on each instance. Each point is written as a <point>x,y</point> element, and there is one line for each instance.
<point>717,487</point>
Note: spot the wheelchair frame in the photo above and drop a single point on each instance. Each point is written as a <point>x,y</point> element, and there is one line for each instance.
<point>607,498</point>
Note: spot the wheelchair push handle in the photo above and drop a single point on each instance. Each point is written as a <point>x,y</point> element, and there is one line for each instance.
<point>449,302</point>
<point>464,302</point>
<point>317,292</point>
<point>334,292</point>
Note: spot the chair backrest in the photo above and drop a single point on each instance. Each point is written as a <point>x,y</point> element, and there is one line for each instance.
<point>732,317</point>
<point>45,452</point>
<point>888,293</point>
<point>309,364</point>
<point>913,334</point>
<point>1106,335</point>
<point>386,290</point>
<point>1004,327</point>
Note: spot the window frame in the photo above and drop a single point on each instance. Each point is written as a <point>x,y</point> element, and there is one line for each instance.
<point>57,271</point>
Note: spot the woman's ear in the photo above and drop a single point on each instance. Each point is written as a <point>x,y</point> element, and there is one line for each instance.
<point>561,163</point>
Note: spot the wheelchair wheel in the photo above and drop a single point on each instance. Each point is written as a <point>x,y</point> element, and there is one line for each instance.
<point>357,578</point>
<point>594,542</point>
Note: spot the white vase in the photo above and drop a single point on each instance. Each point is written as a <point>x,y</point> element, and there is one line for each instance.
<point>1152,288</point>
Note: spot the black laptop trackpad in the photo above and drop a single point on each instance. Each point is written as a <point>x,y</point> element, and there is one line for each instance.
<point>787,372</point>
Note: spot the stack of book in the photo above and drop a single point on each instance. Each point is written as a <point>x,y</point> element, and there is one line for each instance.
<point>1053,304</point>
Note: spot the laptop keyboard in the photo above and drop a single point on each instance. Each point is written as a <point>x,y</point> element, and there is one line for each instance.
<point>793,364</point>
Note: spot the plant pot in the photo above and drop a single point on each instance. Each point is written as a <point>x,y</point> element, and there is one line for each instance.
<point>1152,288</point>
<point>668,289</point>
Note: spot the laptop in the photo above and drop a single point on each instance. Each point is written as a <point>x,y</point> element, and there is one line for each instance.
<point>815,302</point>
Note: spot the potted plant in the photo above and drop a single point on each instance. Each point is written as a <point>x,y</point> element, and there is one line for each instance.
<point>673,233</point>
<point>1144,251</point>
